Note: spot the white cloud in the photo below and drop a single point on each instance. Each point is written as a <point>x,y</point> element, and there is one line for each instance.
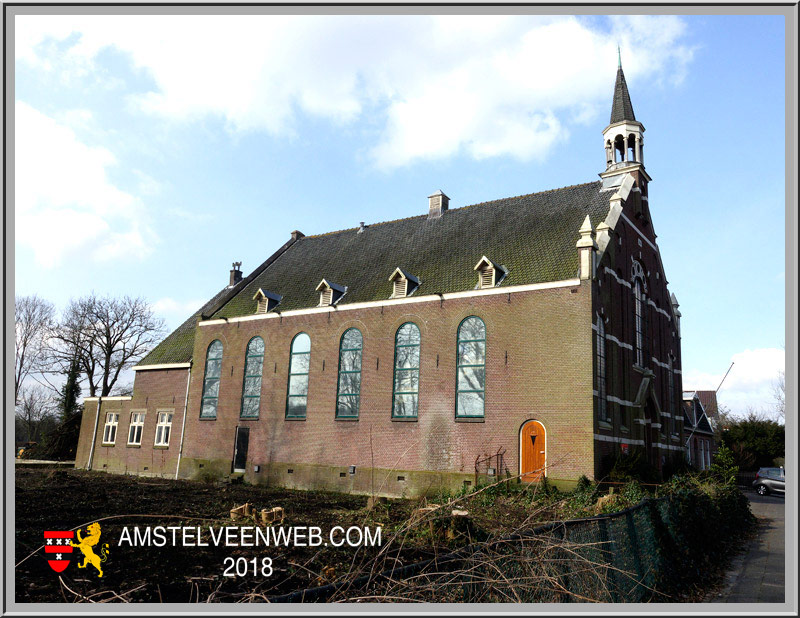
<point>435,85</point>
<point>65,203</point>
<point>175,312</point>
<point>749,384</point>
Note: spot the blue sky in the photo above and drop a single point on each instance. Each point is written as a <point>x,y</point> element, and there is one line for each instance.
<point>153,151</point>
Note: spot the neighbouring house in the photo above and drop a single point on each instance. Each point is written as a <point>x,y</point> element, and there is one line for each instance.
<point>699,434</point>
<point>709,401</point>
<point>527,336</point>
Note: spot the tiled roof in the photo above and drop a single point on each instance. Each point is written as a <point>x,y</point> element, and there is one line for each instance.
<point>533,236</point>
<point>709,401</point>
<point>621,108</point>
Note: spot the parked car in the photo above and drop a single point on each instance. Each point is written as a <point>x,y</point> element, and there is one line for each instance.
<point>770,480</point>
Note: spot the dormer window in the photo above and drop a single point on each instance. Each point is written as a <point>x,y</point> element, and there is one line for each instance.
<point>329,293</point>
<point>404,283</point>
<point>489,273</point>
<point>266,300</point>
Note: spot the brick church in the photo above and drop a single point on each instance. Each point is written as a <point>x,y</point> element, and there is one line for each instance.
<point>527,336</point>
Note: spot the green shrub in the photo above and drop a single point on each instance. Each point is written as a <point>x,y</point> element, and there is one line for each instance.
<point>633,467</point>
<point>723,466</point>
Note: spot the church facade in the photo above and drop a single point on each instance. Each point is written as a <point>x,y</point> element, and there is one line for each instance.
<point>526,337</point>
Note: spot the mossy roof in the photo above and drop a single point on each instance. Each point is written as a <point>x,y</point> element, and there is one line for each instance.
<point>532,236</point>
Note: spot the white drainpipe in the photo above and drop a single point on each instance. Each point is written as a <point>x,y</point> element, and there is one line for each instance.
<point>94,434</point>
<point>183,424</point>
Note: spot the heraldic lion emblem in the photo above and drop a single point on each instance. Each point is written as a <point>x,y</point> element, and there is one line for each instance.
<point>86,545</point>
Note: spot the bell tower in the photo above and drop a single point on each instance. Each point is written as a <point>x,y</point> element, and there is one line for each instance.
<point>624,146</point>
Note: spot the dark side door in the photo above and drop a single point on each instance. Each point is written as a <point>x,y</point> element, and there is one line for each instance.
<point>240,449</point>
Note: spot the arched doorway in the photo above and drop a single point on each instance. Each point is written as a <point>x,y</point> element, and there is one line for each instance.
<point>533,451</point>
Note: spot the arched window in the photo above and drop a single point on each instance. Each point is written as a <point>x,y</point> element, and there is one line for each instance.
<point>638,295</point>
<point>406,371</point>
<point>671,386</point>
<point>600,366</point>
<point>639,311</point>
<point>348,393</point>
<point>211,380</point>
<point>251,388</point>
<point>299,364</point>
<point>471,368</point>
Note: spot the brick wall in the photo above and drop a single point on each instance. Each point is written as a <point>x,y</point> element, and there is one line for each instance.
<point>615,302</point>
<point>538,366</point>
<point>154,391</point>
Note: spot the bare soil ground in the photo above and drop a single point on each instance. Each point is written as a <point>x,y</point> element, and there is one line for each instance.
<point>68,499</point>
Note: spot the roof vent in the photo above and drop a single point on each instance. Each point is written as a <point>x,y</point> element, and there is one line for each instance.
<point>405,284</point>
<point>329,293</point>
<point>361,227</point>
<point>489,273</point>
<point>437,204</point>
<point>267,301</point>
<point>236,274</point>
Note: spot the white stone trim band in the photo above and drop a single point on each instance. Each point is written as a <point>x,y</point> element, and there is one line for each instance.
<point>401,301</point>
<point>603,438</point>
<point>163,366</point>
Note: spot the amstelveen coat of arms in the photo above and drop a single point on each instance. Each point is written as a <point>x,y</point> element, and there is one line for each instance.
<point>58,547</point>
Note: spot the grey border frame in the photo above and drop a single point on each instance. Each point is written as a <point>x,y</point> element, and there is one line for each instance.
<point>790,13</point>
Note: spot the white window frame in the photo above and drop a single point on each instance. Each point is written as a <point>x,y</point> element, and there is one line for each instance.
<point>163,425</point>
<point>702,454</point>
<point>137,422</point>
<point>110,428</point>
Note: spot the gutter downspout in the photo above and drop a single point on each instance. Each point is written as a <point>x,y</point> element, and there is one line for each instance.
<point>94,433</point>
<point>183,424</point>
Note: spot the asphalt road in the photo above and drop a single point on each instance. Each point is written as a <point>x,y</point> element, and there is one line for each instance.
<point>758,575</point>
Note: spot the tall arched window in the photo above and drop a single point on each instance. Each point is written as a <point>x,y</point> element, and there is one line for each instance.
<point>348,395</point>
<point>406,371</point>
<point>471,368</point>
<point>639,316</point>
<point>600,365</point>
<point>251,388</point>
<point>671,386</point>
<point>299,364</point>
<point>211,380</point>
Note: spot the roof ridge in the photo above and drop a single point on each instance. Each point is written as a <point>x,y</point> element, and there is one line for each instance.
<point>501,199</point>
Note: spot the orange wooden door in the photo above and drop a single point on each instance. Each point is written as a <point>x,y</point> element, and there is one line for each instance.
<point>532,451</point>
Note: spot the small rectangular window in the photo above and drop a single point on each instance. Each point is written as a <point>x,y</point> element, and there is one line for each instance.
<point>163,428</point>
<point>110,430</point>
<point>136,428</point>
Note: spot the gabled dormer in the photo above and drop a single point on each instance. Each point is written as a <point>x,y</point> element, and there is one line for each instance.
<point>329,293</point>
<point>266,300</point>
<point>489,273</point>
<point>404,284</point>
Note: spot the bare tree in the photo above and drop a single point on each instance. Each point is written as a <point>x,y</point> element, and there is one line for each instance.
<point>779,392</point>
<point>33,325</point>
<point>107,335</point>
<point>34,406</point>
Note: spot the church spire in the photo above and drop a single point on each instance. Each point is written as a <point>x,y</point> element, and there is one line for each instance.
<point>621,108</point>
<point>623,137</point>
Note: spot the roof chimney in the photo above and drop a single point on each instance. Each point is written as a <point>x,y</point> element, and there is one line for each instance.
<point>437,204</point>
<point>236,274</point>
